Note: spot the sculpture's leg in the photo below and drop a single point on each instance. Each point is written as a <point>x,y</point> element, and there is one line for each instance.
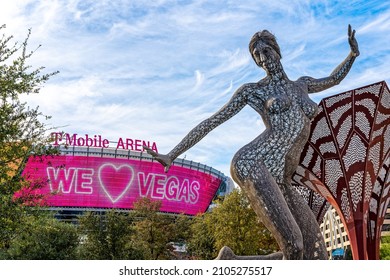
<point>227,254</point>
<point>270,206</point>
<point>313,241</point>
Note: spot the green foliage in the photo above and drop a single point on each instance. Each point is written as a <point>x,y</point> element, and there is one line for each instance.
<point>201,244</point>
<point>43,238</point>
<point>385,239</point>
<point>22,131</point>
<point>155,231</point>
<point>385,248</point>
<point>144,233</point>
<point>385,251</point>
<point>107,237</point>
<point>234,224</point>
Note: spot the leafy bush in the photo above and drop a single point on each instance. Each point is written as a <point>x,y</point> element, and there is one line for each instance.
<point>44,238</point>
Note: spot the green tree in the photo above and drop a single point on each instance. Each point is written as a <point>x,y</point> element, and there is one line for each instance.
<point>201,244</point>
<point>107,236</point>
<point>144,233</point>
<point>43,238</point>
<point>155,231</point>
<point>182,228</point>
<point>385,248</point>
<point>232,223</point>
<point>237,226</point>
<point>22,129</point>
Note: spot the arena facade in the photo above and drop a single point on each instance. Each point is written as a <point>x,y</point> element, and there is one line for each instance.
<point>86,177</point>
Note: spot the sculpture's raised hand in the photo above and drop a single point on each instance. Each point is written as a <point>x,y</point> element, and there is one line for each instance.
<point>163,159</point>
<point>352,41</point>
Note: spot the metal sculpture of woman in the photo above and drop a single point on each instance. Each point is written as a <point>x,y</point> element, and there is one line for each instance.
<point>263,168</point>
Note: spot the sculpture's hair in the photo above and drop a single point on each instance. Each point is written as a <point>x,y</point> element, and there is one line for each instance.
<point>266,37</point>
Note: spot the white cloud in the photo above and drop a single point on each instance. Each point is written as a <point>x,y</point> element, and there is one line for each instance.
<point>199,79</point>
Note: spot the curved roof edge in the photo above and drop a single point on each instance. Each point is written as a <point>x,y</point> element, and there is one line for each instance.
<point>143,156</point>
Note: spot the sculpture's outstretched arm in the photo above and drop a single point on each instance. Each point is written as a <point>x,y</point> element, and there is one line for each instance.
<point>338,74</point>
<point>232,107</point>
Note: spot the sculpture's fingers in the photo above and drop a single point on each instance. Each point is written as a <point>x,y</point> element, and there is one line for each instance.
<point>150,151</point>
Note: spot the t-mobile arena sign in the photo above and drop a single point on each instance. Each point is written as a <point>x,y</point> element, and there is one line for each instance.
<point>97,141</point>
<point>96,182</point>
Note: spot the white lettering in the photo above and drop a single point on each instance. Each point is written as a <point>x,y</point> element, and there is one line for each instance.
<point>84,180</point>
<point>145,185</point>
<point>126,178</point>
<point>163,187</point>
<point>115,182</point>
<point>65,180</point>
<point>158,190</point>
<point>172,188</point>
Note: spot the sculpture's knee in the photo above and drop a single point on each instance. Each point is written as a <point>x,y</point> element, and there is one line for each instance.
<point>294,249</point>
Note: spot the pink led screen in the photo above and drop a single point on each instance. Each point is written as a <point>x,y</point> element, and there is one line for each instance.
<point>85,181</point>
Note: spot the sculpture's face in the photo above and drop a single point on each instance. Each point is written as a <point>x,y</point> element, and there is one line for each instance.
<point>265,56</point>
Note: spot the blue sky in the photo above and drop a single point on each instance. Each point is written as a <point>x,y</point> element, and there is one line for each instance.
<point>152,70</point>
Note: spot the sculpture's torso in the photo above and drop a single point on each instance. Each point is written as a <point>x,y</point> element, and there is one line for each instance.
<point>287,121</point>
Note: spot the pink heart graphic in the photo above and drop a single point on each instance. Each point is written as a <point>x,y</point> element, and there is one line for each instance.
<point>115,181</point>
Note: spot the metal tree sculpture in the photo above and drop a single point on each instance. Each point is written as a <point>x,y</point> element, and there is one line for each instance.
<point>347,161</point>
